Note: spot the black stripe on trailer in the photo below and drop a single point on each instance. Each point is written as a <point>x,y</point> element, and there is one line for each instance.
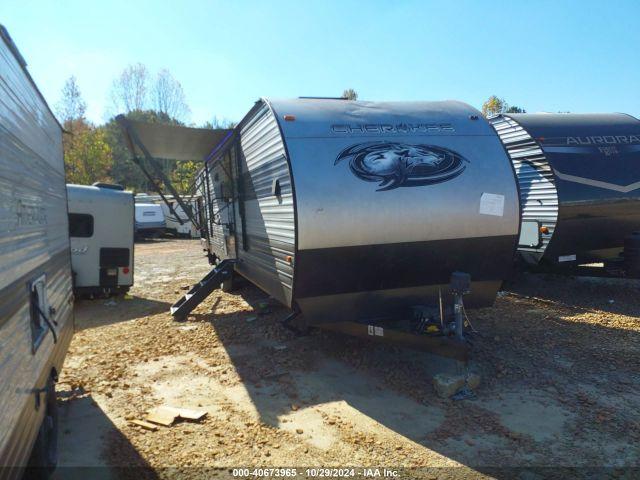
<point>340,270</point>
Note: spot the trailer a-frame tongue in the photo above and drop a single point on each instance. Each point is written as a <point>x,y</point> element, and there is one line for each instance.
<point>151,142</point>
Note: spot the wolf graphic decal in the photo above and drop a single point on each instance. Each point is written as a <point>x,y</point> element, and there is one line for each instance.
<point>396,165</point>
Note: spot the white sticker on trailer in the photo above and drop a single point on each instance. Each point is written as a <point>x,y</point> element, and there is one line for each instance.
<point>567,258</point>
<point>375,331</point>
<point>492,204</point>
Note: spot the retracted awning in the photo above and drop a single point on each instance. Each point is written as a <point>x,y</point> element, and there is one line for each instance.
<point>149,142</point>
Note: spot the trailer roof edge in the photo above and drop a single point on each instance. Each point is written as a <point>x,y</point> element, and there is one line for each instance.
<point>4,34</point>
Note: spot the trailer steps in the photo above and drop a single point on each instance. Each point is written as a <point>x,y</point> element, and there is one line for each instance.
<point>202,289</point>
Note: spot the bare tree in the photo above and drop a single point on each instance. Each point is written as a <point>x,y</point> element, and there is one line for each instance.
<point>129,90</point>
<point>168,96</point>
<point>350,94</point>
<point>71,107</point>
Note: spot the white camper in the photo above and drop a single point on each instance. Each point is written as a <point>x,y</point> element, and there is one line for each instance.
<point>101,219</point>
<point>150,220</point>
<point>183,227</point>
<point>36,299</point>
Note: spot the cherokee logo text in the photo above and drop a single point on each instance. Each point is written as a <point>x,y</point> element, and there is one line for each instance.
<point>401,128</point>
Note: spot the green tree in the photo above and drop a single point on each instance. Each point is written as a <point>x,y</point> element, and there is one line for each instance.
<point>87,155</point>
<point>184,174</point>
<point>350,94</point>
<point>493,106</point>
<point>496,105</point>
<point>123,170</point>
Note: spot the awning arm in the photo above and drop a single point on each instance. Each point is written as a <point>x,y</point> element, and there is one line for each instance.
<point>133,139</point>
<point>138,161</point>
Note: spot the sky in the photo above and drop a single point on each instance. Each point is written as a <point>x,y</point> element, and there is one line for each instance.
<point>578,56</point>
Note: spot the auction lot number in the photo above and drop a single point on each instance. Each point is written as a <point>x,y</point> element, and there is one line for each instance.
<point>294,472</point>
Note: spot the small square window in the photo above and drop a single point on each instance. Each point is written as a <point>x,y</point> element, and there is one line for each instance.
<point>80,225</point>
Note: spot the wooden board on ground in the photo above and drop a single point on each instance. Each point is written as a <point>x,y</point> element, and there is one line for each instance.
<point>145,425</point>
<point>165,415</point>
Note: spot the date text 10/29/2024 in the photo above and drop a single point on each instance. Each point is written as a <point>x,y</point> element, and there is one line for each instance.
<point>314,472</point>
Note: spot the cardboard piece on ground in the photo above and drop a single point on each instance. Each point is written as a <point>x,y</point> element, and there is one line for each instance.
<point>162,416</point>
<point>166,415</point>
<point>145,425</point>
<point>189,414</point>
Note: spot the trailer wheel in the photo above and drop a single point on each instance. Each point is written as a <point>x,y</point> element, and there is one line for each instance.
<point>44,456</point>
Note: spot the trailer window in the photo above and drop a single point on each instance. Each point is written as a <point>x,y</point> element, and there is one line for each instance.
<point>38,305</point>
<point>80,225</point>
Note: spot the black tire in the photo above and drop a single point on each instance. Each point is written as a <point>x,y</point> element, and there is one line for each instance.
<point>44,456</point>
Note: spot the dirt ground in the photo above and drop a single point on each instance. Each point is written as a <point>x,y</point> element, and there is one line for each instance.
<point>559,360</point>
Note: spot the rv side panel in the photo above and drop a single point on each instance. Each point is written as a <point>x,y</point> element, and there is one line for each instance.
<point>267,240</point>
<point>34,255</point>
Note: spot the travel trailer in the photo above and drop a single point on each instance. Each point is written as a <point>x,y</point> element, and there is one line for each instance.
<point>101,227</point>
<point>355,211</point>
<point>183,227</point>
<point>150,221</point>
<point>372,218</point>
<point>579,181</point>
<point>36,298</point>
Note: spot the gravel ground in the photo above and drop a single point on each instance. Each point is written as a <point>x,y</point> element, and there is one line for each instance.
<point>559,360</point>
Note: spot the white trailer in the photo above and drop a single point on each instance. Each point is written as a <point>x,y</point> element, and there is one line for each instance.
<point>150,221</point>
<point>178,222</point>
<point>36,298</point>
<point>101,227</point>
<point>183,227</point>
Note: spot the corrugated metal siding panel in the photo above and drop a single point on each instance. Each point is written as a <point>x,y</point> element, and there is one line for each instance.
<point>270,222</point>
<point>32,185</point>
<point>538,194</point>
<point>20,370</point>
<point>33,239</point>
